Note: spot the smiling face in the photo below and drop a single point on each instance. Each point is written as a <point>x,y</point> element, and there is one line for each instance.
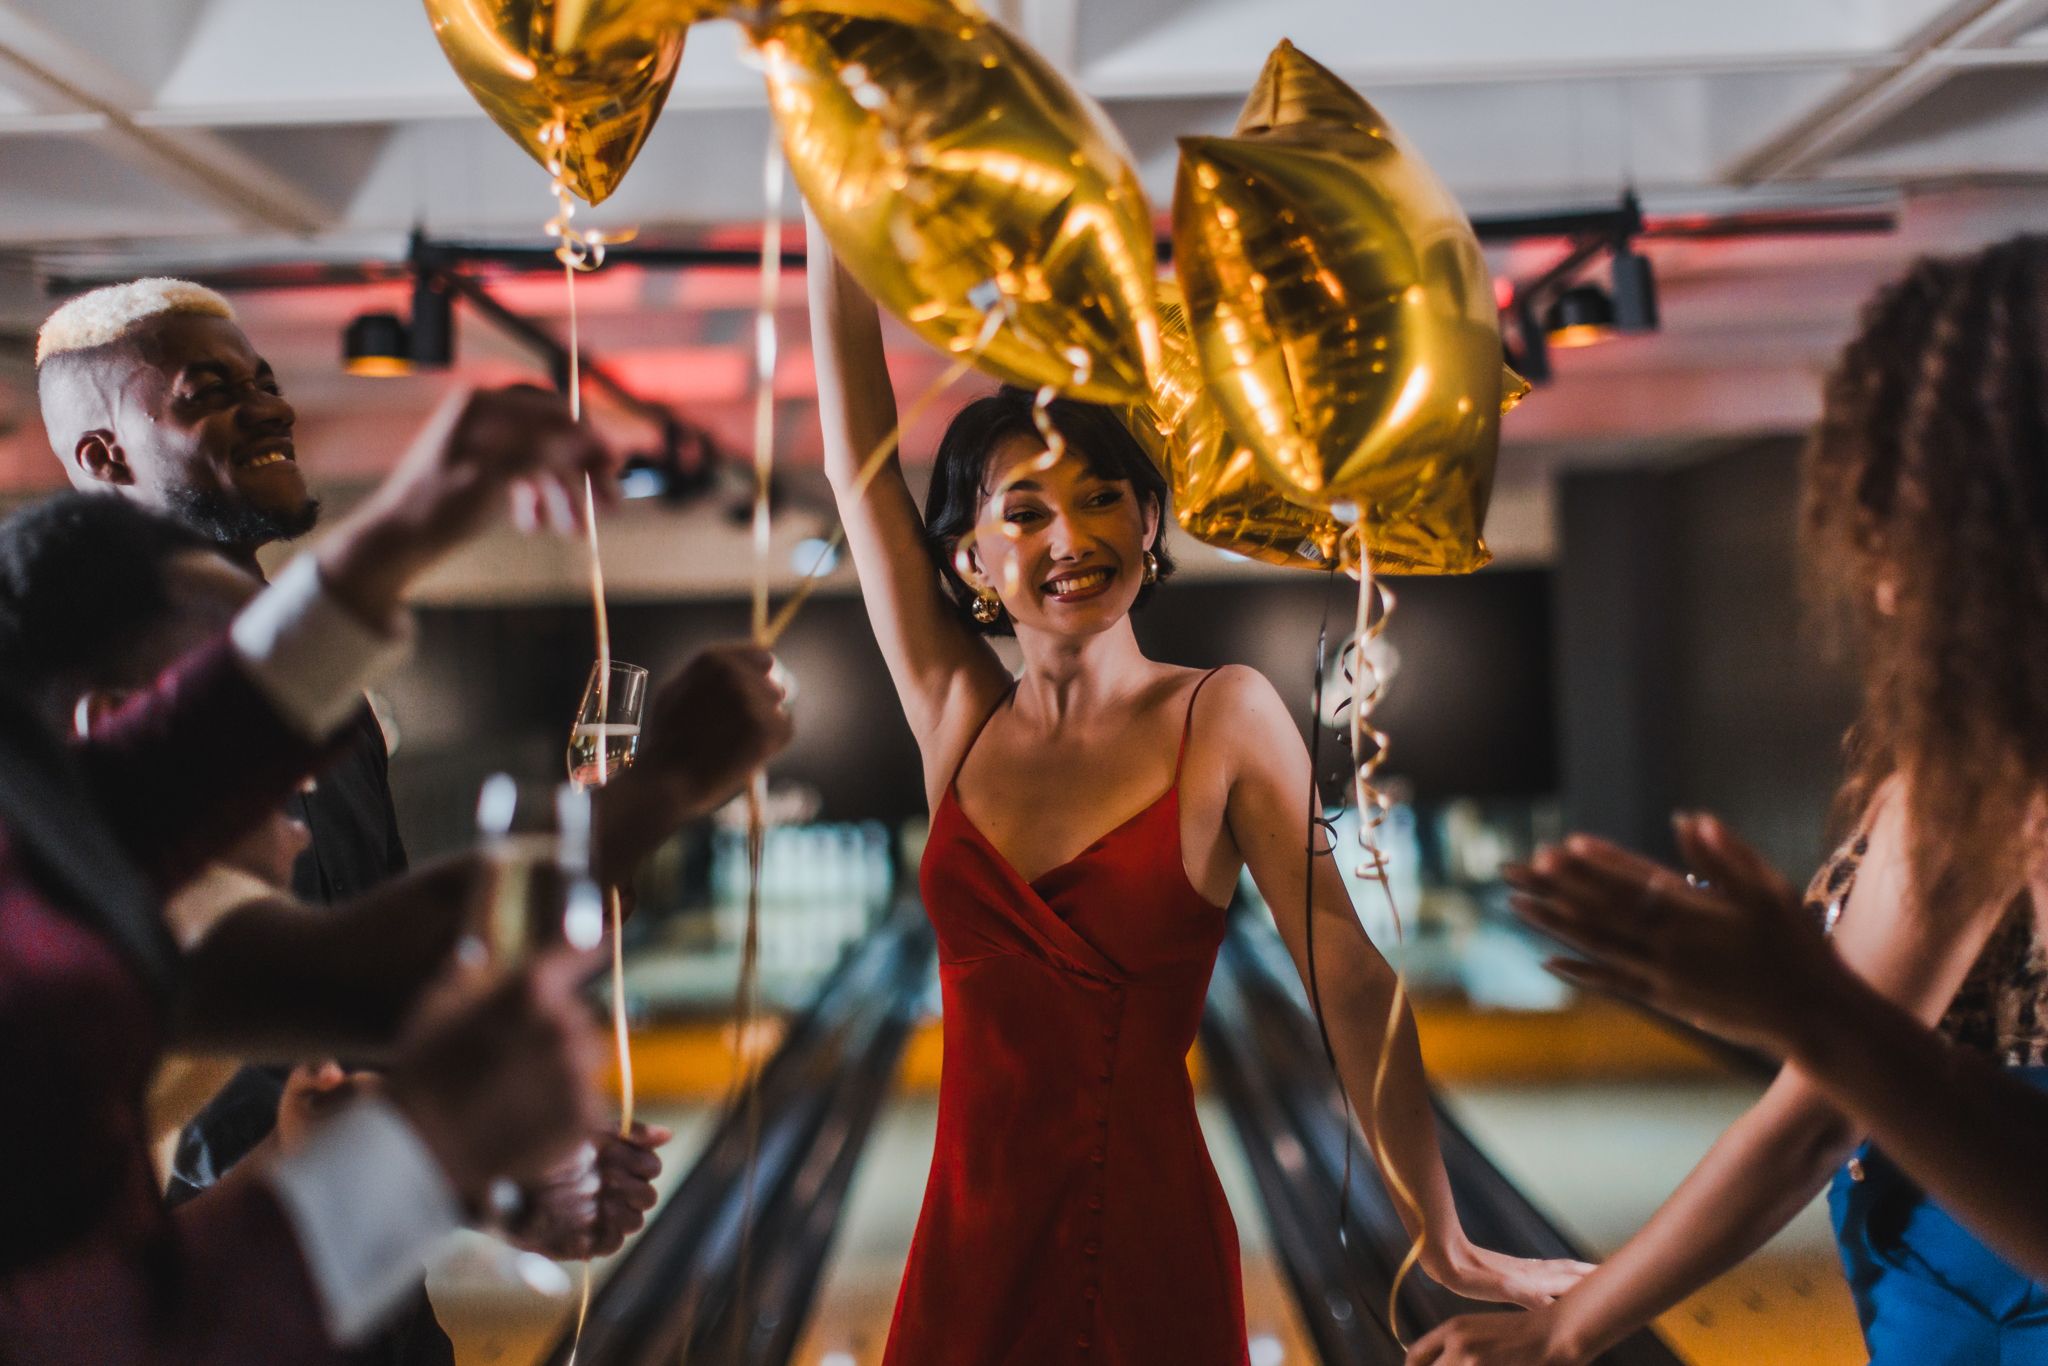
<point>1061,545</point>
<point>185,416</point>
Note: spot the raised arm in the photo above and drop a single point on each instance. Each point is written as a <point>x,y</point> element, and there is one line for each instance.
<point>1766,1168</point>
<point>1268,813</point>
<point>945,675</point>
<point>280,980</point>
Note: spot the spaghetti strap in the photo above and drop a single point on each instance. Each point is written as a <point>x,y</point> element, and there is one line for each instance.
<point>1188,726</point>
<point>952,783</point>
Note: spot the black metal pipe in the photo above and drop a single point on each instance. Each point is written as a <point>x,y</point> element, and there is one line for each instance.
<point>555,352</point>
<point>1600,224</point>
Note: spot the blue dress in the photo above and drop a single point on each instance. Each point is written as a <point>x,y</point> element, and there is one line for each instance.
<point>1927,1291</point>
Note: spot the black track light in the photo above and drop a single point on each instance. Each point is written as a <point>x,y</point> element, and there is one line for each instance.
<point>377,345</point>
<point>1531,359</point>
<point>433,321</point>
<point>1635,291</point>
<point>1582,316</point>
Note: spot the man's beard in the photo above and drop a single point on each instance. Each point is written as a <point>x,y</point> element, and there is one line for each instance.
<point>233,521</point>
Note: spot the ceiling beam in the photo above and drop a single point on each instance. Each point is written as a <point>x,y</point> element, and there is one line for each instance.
<point>1921,62</point>
<point>55,75</point>
<point>1054,28</point>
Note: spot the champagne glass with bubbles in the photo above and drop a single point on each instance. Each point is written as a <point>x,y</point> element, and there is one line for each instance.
<point>607,731</point>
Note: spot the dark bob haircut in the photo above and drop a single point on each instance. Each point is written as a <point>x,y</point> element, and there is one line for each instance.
<point>960,477</point>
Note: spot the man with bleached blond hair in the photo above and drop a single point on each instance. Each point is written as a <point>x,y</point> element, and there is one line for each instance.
<point>150,390</point>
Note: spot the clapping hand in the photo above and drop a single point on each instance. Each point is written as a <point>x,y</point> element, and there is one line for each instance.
<point>1728,949</point>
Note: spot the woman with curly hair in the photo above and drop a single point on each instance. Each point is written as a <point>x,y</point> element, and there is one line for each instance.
<point>1926,515</point>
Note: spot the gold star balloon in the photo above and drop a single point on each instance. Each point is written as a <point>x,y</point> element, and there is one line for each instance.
<point>1223,499</point>
<point>1343,316</point>
<point>1219,496</point>
<point>575,82</point>
<point>974,192</point>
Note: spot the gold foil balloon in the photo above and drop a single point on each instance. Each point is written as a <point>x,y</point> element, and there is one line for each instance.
<point>1222,498</point>
<point>1343,315</point>
<point>975,193</point>
<point>1219,495</point>
<point>575,81</point>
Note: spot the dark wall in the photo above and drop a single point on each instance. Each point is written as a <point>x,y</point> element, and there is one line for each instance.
<point>494,688</point>
<point>1470,710</point>
<point>1691,672</point>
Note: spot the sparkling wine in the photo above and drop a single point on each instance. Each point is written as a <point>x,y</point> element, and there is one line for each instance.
<point>598,750</point>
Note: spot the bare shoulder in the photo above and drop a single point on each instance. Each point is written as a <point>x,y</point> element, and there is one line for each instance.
<point>1884,898</point>
<point>1242,713</point>
<point>1236,686</point>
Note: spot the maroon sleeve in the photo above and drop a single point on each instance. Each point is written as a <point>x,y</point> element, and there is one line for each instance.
<point>222,1280</point>
<point>189,766</point>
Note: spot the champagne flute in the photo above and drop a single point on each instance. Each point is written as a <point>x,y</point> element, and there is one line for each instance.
<point>536,839</point>
<point>602,742</point>
<point>606,734</point>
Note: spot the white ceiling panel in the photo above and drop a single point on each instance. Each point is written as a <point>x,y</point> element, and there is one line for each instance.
<point>87,189</point>
<point>1219,45</point>
<point>1989,122</point>
<point>196,134</point>
<point>141,39</point>
<point>278,61</point>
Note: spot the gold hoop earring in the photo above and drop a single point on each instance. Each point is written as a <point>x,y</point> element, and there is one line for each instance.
<point>988,608</point>
<point>1151,567</point>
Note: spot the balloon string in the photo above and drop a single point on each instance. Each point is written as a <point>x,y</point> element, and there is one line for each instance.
<point>582,1316</point>
<point>765,349</point>
<point>746,999</point>
<point>1368,753</point>
<point>1313,850</point>
<point>621,1035</point>
<point>584,251</point>
<point>580,251</point>
<point>870,467</point>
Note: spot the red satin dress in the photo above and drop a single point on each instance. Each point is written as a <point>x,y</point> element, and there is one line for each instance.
<point>1072,1214</point>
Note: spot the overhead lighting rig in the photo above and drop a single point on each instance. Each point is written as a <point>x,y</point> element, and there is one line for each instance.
<point>1565,309</point>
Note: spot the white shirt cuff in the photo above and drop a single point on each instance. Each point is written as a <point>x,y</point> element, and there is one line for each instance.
<point>219,888</point>
<point>367,1204</point>
<point>310,655</point>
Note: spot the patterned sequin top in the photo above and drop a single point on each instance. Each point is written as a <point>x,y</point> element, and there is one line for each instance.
<point>2001,1010</point>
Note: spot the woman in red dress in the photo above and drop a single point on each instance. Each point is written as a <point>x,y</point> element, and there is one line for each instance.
<point>1072,1214</point>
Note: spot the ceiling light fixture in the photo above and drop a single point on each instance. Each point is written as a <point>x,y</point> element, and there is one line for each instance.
<point>378,346</point>
<point>1635,291</point>
<point>1531,358</point>
<point>1581,316</point>
<point>432,334</point>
